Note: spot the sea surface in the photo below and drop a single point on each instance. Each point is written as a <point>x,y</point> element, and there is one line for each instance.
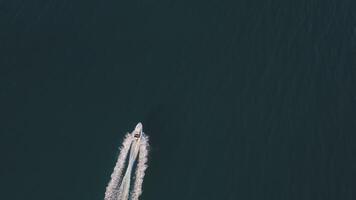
<point>242,100</point>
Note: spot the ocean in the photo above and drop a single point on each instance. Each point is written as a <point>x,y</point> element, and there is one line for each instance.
<point>241,100</point>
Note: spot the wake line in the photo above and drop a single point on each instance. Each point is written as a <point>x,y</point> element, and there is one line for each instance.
<point>136,145</point>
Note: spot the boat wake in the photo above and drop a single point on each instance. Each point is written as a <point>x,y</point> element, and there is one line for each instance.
<point>134,150</point>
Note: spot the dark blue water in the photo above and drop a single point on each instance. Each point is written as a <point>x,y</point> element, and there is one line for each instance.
<point>241,99</point>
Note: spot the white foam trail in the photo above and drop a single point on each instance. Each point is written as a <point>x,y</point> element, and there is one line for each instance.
<point>112,188</point>
<point>125,185</point>
<point>119,187</point>
<point>140,171</point>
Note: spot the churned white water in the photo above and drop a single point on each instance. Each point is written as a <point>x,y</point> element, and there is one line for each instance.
<point>120,187</point>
